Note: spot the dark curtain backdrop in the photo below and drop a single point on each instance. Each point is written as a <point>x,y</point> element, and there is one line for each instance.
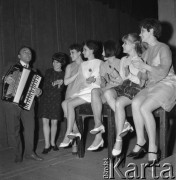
<point>48,26</point>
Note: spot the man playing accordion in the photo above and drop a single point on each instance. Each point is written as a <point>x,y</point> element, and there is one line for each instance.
<point>15,114</point>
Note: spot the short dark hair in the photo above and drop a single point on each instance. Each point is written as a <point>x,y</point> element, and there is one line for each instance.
<point>111,48</point>
<point>77,47</point>
<point>151,23</point>
<point>94,45</point>
<point>22,47</point>
<point>60,57</point>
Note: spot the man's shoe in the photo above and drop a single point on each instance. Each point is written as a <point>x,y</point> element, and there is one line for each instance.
<point>34,157</point>
<point>18,159</point>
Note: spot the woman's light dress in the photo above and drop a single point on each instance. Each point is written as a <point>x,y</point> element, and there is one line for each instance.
<point>87,69</point>
<point>161,84</point>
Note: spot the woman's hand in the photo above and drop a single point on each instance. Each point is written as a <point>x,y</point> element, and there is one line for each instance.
<point>103,82</point>
<point>91,79</point>
<point>58,82</point>
<point>139,65</point>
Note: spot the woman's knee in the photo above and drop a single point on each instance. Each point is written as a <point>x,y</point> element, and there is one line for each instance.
<point>108,94</point>
<point>71,105</point>
<point>54,122</point>
<point>136,104</point>
<point>145,109</point>
<point>119,104</point>
<point>96,92</point>
<point>45,121</point>
<point>64,104</point>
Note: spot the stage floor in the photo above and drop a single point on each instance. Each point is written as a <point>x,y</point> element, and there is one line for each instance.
<point>62,165</point>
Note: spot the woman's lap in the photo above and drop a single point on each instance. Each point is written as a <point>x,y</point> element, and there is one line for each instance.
<point>161,94</point>
<point>127,89</point>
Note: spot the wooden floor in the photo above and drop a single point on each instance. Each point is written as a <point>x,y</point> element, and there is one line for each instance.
<point>62,165</point>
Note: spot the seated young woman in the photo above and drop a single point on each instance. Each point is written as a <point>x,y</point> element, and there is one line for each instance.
<point>160,89</point>
<point>69,79</point>
<point>88,78</point>
<point>121,96</point>
<point>109,72</point>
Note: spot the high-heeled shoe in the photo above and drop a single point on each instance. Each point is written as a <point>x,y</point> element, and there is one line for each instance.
<point>128,128</point>
<point>120,161</point>
<point>151,163</point>
<point>46,150</point>
<point>93,148</point>
<point>116,152</point>
<point>55,148</point>
<point>139,154</point>
<point>74,135</point>
<point>98,129</point>
<point>63,145</point>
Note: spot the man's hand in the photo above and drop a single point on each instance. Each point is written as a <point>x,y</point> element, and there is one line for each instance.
<point>91,79</point>
<point>38,92</point>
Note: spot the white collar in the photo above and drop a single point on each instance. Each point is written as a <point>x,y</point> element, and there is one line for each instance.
<point>24,64</point>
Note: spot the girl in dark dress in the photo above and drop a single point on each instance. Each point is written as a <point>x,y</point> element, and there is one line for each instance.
<point>50,104</point>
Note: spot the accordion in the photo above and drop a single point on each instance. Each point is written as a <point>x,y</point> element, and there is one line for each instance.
<point>22,90</point>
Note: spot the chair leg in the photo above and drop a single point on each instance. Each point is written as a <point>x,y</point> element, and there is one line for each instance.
<point>163,133</point>
<point>111,136</point>
<point>80,142</point>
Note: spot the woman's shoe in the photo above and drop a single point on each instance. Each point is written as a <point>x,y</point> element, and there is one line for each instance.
<point>93,148</point>
<point>139,154</point>
<point>116,152</point>
<point>74,135</point>
<point>97,130</point>
<point>155,161</point>
<point>63,145</point>
<point>55,148</point>
<point>127,128</point>
<point>46,150</point>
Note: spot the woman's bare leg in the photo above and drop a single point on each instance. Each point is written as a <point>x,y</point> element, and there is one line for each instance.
<point>138,121</point>
<point>64,106</point>
<point>72,104</point>
<point>120,118</point>
<point>96,103</point>
<point>111,96</point>
<point>53,131</point>
<point>148,106</point>
<point>46,132</point>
